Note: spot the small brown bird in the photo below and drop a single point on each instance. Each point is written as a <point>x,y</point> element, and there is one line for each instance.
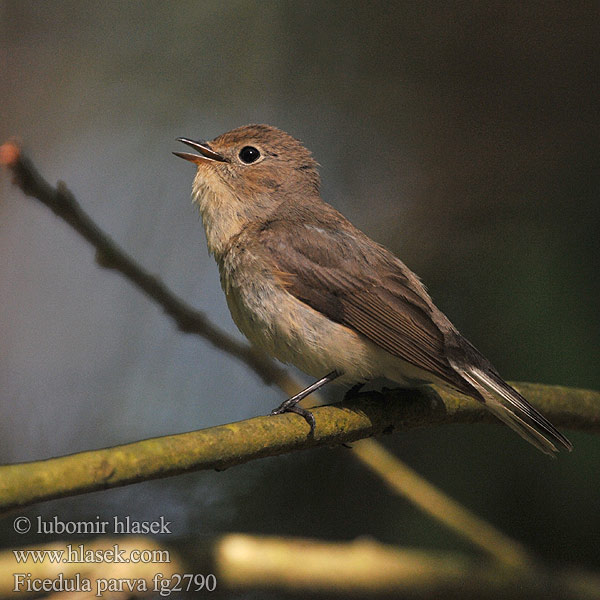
<point>306,286</point>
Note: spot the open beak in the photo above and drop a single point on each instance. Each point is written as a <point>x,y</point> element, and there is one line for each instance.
<point>207,154</point>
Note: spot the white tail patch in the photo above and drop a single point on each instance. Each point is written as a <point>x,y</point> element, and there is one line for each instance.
<point>509,406</point>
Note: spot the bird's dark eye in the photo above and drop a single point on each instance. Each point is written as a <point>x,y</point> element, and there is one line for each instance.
<point>249,154</point>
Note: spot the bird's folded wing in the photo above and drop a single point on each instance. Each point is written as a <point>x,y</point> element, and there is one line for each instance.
<point>356,283</point>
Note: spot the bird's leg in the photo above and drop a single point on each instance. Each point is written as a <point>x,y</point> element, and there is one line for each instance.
<point>291,404</point>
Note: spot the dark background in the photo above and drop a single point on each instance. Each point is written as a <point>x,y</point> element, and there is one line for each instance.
<point>464,136</point>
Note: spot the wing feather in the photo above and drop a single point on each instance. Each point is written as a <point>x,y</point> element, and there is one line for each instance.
<point>364,287</point>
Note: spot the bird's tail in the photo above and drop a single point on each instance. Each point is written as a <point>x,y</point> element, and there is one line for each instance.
<point>509,406</point>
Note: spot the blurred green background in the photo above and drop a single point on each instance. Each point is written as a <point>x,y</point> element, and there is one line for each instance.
<point>464,136</point>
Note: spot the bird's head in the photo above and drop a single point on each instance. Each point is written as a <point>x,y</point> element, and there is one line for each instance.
<point>244,174</point>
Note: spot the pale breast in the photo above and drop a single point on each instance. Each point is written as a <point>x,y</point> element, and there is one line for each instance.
<point>286,328</point>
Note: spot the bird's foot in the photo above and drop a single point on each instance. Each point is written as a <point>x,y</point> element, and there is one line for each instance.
<point>291,404</point>
<point>288,406</point>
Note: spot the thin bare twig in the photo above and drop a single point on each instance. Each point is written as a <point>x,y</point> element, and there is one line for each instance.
<point>110,256</point>
<point>410,485</point>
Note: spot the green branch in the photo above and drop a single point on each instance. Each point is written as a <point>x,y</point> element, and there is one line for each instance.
<point>237,443</point>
